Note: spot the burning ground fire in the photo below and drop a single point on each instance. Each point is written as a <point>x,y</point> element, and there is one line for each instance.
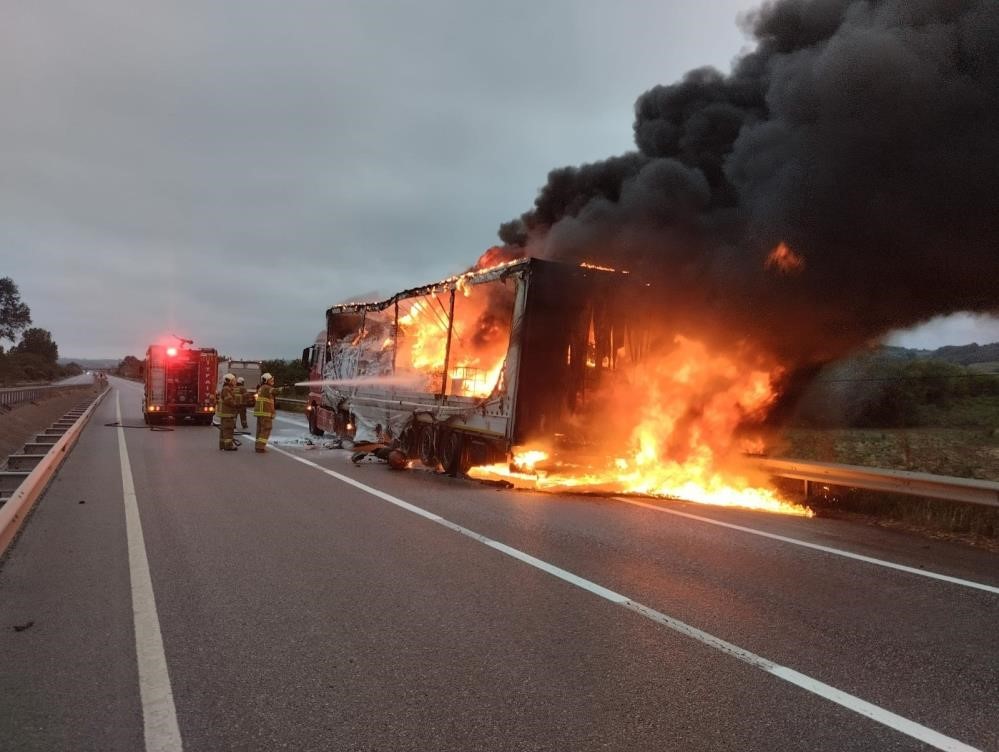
<point>667,480</point>
<point>683,411</point>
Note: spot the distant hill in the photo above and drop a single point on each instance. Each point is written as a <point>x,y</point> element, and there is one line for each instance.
<point>901,353</point>
<point>962,355</point>
<point>965,355</point>
<point>90,364</point>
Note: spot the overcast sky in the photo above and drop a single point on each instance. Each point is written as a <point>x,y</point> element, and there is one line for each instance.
<point>226,170</point>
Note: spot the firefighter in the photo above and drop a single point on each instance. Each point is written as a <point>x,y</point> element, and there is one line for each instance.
<point>263,410</point>
<point>228,405</point>
<point>241,396</point>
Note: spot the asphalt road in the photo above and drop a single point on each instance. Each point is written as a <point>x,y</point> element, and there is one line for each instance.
<point>305,603</point>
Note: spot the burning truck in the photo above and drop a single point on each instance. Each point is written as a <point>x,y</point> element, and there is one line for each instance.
<point>545,374</point>
<point>460,371</point>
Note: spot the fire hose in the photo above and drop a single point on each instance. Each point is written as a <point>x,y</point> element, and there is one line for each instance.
<point>118,424</point>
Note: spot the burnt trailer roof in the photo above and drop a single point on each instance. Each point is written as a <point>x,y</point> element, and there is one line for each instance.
<point>468,278</point>
<point>450,283</point>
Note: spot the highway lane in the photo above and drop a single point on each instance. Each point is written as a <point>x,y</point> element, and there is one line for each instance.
<point>300,612</point>
<point>84,378</point>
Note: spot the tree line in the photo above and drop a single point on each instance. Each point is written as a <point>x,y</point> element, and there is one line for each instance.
<point>285,372</point>
<point>873,391</point>
<point>34,356</point>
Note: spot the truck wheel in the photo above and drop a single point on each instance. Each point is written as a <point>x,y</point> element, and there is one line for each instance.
<point>410,441</point>
<point>428,447</point>
<point>313,419</point>
<point>451,449</point>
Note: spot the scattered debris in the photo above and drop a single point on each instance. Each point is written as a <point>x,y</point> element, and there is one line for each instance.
<point>395,458</point>
<point>496,483</point>
<point>22,627</point>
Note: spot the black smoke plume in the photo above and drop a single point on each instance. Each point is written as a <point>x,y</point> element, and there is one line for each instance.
<point>863,134</point>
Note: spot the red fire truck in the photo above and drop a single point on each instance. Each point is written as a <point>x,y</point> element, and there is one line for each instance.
<point>180,383</point>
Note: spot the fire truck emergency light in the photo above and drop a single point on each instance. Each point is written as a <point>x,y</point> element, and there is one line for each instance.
<point>171,351</point>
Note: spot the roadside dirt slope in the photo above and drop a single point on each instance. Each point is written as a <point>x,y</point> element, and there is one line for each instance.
<point>19,425</point>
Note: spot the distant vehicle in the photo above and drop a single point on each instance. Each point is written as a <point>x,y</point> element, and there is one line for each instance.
<point>180,383</point>
<point>458,372</point>
<point>250,370</point>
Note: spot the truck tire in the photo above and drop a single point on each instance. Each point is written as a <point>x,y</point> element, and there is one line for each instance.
<point>313,419</point>
<point>450,450</point>
<point>428,447</point>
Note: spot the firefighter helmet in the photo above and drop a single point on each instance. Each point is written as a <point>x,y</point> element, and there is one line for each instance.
<point>240,380</point>
<point>267,377</point>
<point>229,378</point>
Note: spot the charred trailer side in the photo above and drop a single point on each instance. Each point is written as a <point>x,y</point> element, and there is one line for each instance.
<point>458,372</point>
<point>179,384</point>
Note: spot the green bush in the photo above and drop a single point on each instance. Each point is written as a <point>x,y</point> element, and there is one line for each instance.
<point>879,392</point>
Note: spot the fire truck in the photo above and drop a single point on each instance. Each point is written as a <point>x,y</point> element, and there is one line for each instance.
<point>180,383</point>
<point>458,372</point>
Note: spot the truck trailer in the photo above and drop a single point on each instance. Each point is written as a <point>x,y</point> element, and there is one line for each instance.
<point>180,384</point>
<point>249,370</point>
<point>459,372</point>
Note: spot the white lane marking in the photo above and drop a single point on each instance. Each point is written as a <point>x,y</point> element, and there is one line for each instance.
<point>816,687</point>
<point>159,715</point>
<point>817,547</point>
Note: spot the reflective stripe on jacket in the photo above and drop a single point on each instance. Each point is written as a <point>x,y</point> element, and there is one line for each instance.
<point>264,406</point>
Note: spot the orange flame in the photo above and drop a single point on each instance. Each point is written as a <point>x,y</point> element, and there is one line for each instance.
<point>784,260</point>
<point>682,411</point>
<point>598,267</point>
<point>475,362</point>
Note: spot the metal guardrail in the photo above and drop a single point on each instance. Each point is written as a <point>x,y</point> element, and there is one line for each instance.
<point>18,394</point>
<point>968,490</point>
<point>290,403</point>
